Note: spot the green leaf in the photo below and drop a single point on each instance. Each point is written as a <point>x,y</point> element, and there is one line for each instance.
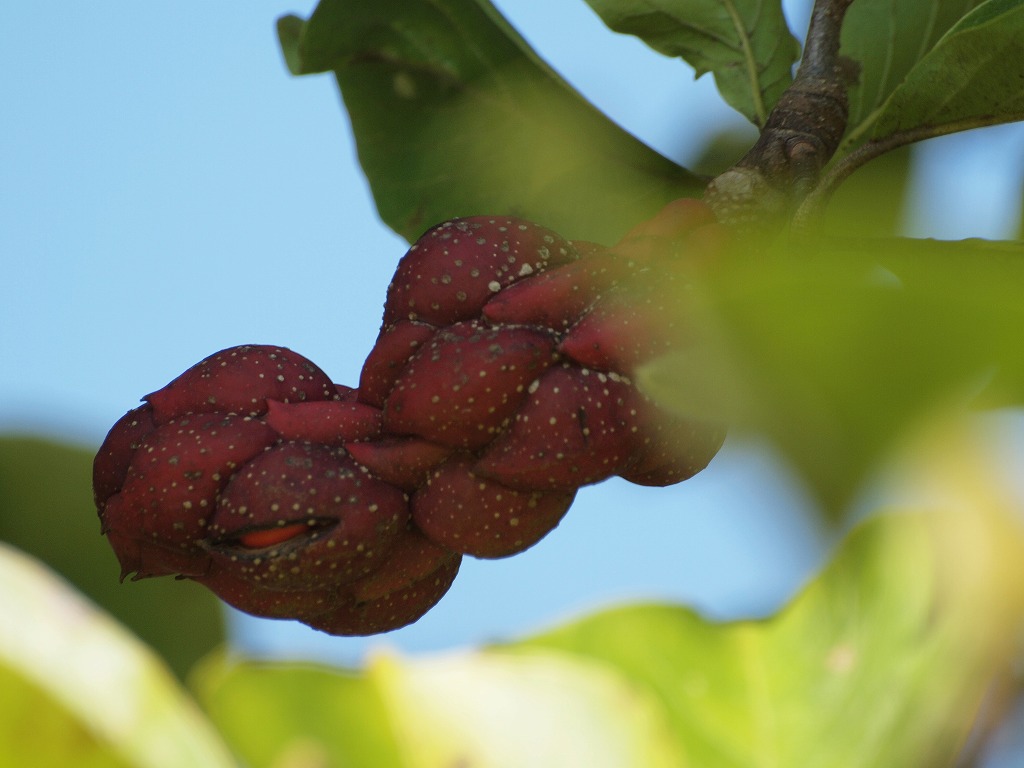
<point>973,76</point>
<point>36,730</point>
<point>744,43</point>
<point>542,710</point>
<point>77,689</point>
<point>475,708</point>
<point>887,38</point>
<point>454,115</point>
<point>873,201</point>
<point>835,350</point>
<point>282,714</point>
<point>46,509</point>
<point>882,660</point>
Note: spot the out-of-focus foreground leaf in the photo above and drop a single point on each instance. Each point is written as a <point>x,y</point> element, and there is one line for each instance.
<point>482,709</point>
<point>973,76</point>
<point>46,509</point>
<point>886,38</point>
<point>873,201</point>
<point>306,715</point>
<point>455,115</point>
<point>834,349</point>
<point>882,660</point>
<point>744,43</point>
<point>77,689</point>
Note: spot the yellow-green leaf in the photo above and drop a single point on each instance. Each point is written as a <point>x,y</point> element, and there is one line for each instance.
<point>94,689</point>
<point>276,715</point>
<point>47,510</point>
<point>544,710</point>
<point>884,659</point>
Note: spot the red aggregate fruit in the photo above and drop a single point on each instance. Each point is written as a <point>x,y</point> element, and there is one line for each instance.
<point>180,466</point>
<point>241,380</point>
<point>571,431</point>
<point>389,356</point>
<point>557,298</point>
<point>237,591</point>
<point>413,558</point>
<point>455,267</point>
<point>115,454</point>
<point>324,421</point>
<point>500,383</point>
<point>261,538</point>
<point>470,514</point>
<point>667,449</point>
<point>621,331</point>
<point>396,609</point>
<point>351,518</point>
<point>400,461</point>
<point>460,388</point>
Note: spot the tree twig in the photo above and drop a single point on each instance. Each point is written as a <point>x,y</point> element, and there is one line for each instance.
<point>814,203</point>
<point>800,135</point>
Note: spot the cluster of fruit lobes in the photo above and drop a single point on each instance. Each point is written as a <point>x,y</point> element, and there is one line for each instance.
<point>499,384</point>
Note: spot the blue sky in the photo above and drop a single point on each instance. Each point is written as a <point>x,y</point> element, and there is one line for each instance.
<point>167,190</point>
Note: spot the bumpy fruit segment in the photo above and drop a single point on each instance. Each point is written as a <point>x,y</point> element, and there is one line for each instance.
<point>667,449</point>
<point>351,518</point>
<point>571,431</point>
<point>396,344</point>
<point>454,268</point>
<point>397,609</point>
<point>558,298</point>
<point>224,580</point>
<point>412,559</point>
<point>115,454</point>
<point>400,461</point>
<point>459,389</point>
<point>171,485</point>
<point>500,383</point>
<point>241,380</point>
<point>325,421</point>
<point>470,514</point>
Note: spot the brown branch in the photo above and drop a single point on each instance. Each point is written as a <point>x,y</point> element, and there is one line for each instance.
<point>821,51</point>
<point>800,135</point>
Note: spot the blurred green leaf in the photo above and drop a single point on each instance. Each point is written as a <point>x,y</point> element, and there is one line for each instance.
<point>724,149</point>
<point>881,661</point>
<point>475,708</point>
<point>744,43</point>
<point>77,689</point>
<point>284,714</point>
<point>835,349</point>
<point>541,710</point>
<point>36,730</point>
<point>46,509</point>
<point>887,38</point>
<point>973,76</point>
<point>872,202</point>
<point>454,115</point>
